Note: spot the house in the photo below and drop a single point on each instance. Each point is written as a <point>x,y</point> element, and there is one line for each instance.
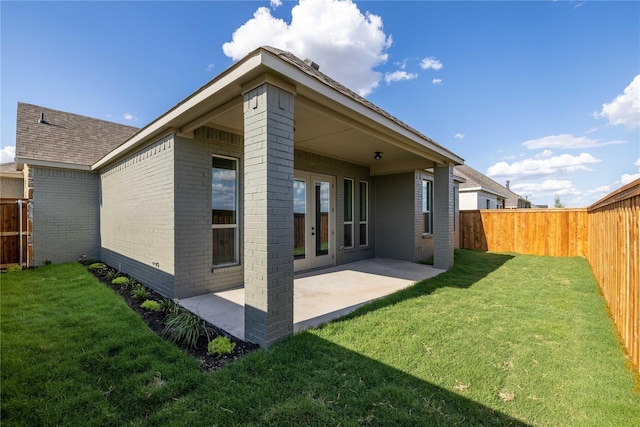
<point>11,182</point>
<point>270,168</point>
<point>481,192</point>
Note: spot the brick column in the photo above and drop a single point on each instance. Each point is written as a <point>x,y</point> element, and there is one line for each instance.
<point>443,217</point>
<point>268,214</point>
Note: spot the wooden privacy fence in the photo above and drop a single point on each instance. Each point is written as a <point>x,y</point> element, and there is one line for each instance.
<point>607,234</point>
<point>614,256</point>
<point>554,232</point>
<point>14,232</point>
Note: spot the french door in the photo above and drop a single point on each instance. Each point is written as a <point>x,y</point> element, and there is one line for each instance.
<point>314,220</point>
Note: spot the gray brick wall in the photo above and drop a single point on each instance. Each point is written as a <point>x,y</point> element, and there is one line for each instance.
<point>12,188</point>
<point>443,217</point>
<point>137,215</point>
<point>193,237</point>
<point>65,214</point>
<point>268,204</point>
<point>395,216</point>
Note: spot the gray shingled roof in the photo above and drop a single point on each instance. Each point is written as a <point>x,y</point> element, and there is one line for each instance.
<point>8,168</point>
<point>312,72</point>
<point>65,137</point>
<point>477,179</point>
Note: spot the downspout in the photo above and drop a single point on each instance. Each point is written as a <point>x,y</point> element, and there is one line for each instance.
<point>20,229</point>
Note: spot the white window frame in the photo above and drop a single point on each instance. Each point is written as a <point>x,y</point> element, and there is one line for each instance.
<point>364,222</point>
<point>427,208</point>
<point>346,222</point>
<point>236,254</point>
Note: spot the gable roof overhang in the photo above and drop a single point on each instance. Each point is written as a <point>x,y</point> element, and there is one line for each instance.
<point>329,119</point>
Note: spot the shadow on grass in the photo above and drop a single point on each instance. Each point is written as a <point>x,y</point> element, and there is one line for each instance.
<point>469,267</point>
<point>308,381</point>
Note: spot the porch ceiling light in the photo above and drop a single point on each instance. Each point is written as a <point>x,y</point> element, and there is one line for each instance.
<point>378,155</point>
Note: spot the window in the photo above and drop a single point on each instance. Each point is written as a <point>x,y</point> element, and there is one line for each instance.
<point>488,204</point>
<point>224,210</point>
<point>364,213</point>
<point>427,199</point>
<point>348,213</point>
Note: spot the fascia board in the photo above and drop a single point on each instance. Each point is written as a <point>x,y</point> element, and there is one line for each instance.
<point>163,123</point>
<point>49,164</point>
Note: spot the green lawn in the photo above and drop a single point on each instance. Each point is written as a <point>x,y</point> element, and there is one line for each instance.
<point>498,340</point>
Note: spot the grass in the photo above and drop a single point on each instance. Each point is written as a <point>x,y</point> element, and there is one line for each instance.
<point>498,340</point>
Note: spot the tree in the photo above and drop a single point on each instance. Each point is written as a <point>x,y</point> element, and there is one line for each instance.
<point>557,203</point>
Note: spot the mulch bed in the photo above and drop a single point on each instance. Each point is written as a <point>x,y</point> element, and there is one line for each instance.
<point>155,320</point>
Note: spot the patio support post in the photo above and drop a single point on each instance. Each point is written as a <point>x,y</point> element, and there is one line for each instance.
<point>443,216</point>
<point>268,214</point>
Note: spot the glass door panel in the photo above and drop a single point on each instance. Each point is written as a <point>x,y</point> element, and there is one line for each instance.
<point>322,207</point>
<point>314,221</point>
<point>299,218</point>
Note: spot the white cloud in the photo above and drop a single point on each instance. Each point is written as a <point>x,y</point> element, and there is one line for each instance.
<point>276,3</point>
<point>549,186</point>
<point>430,63</point>
<point>397,76</point>
<point>543,164</point>
<point>436,81</point>
<point>459,135</point>
<point>627,178</point>
<point>346,43</point>
<point>210,67</point>
<point>7,154</point>
<point>566,141</point>
<point>129,116</point>
<point>625,108</point>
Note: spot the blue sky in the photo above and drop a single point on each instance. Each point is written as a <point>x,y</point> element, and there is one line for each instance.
<point>544,93</point>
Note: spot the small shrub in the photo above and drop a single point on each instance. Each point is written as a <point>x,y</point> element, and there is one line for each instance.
<point>221,345</point>
<point>113,275</point>
<point>140,293</point>
<point>96,266</point>
<point>47,262</point>
<point>14,268</point>
<point>150,305</point>
<point>168,307</point>
<point>128,284</point>
<point>186,328</point>
<point>119,281</point>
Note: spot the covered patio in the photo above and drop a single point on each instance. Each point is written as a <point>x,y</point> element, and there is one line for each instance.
<point>319,296</point>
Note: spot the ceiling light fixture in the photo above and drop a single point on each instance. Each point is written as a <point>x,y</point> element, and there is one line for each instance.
<point>378,155</point>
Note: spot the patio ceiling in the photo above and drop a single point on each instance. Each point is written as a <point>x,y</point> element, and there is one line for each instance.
<point>322,131</point>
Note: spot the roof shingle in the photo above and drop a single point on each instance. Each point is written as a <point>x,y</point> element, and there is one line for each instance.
<point>65,137</point>
<point>477,179</point>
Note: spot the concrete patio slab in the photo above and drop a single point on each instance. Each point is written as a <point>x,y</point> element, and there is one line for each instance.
<point>318,296</point>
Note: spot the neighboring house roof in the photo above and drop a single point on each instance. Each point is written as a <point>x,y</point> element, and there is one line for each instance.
<point>64,138</point>
<point>477,181</point>
<point>9,170</point>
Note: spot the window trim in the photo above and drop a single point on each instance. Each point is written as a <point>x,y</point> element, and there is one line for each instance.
<point>364,222</point>
<point>345,221</point>
<point>235,227</point>
<point>427,231</point>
